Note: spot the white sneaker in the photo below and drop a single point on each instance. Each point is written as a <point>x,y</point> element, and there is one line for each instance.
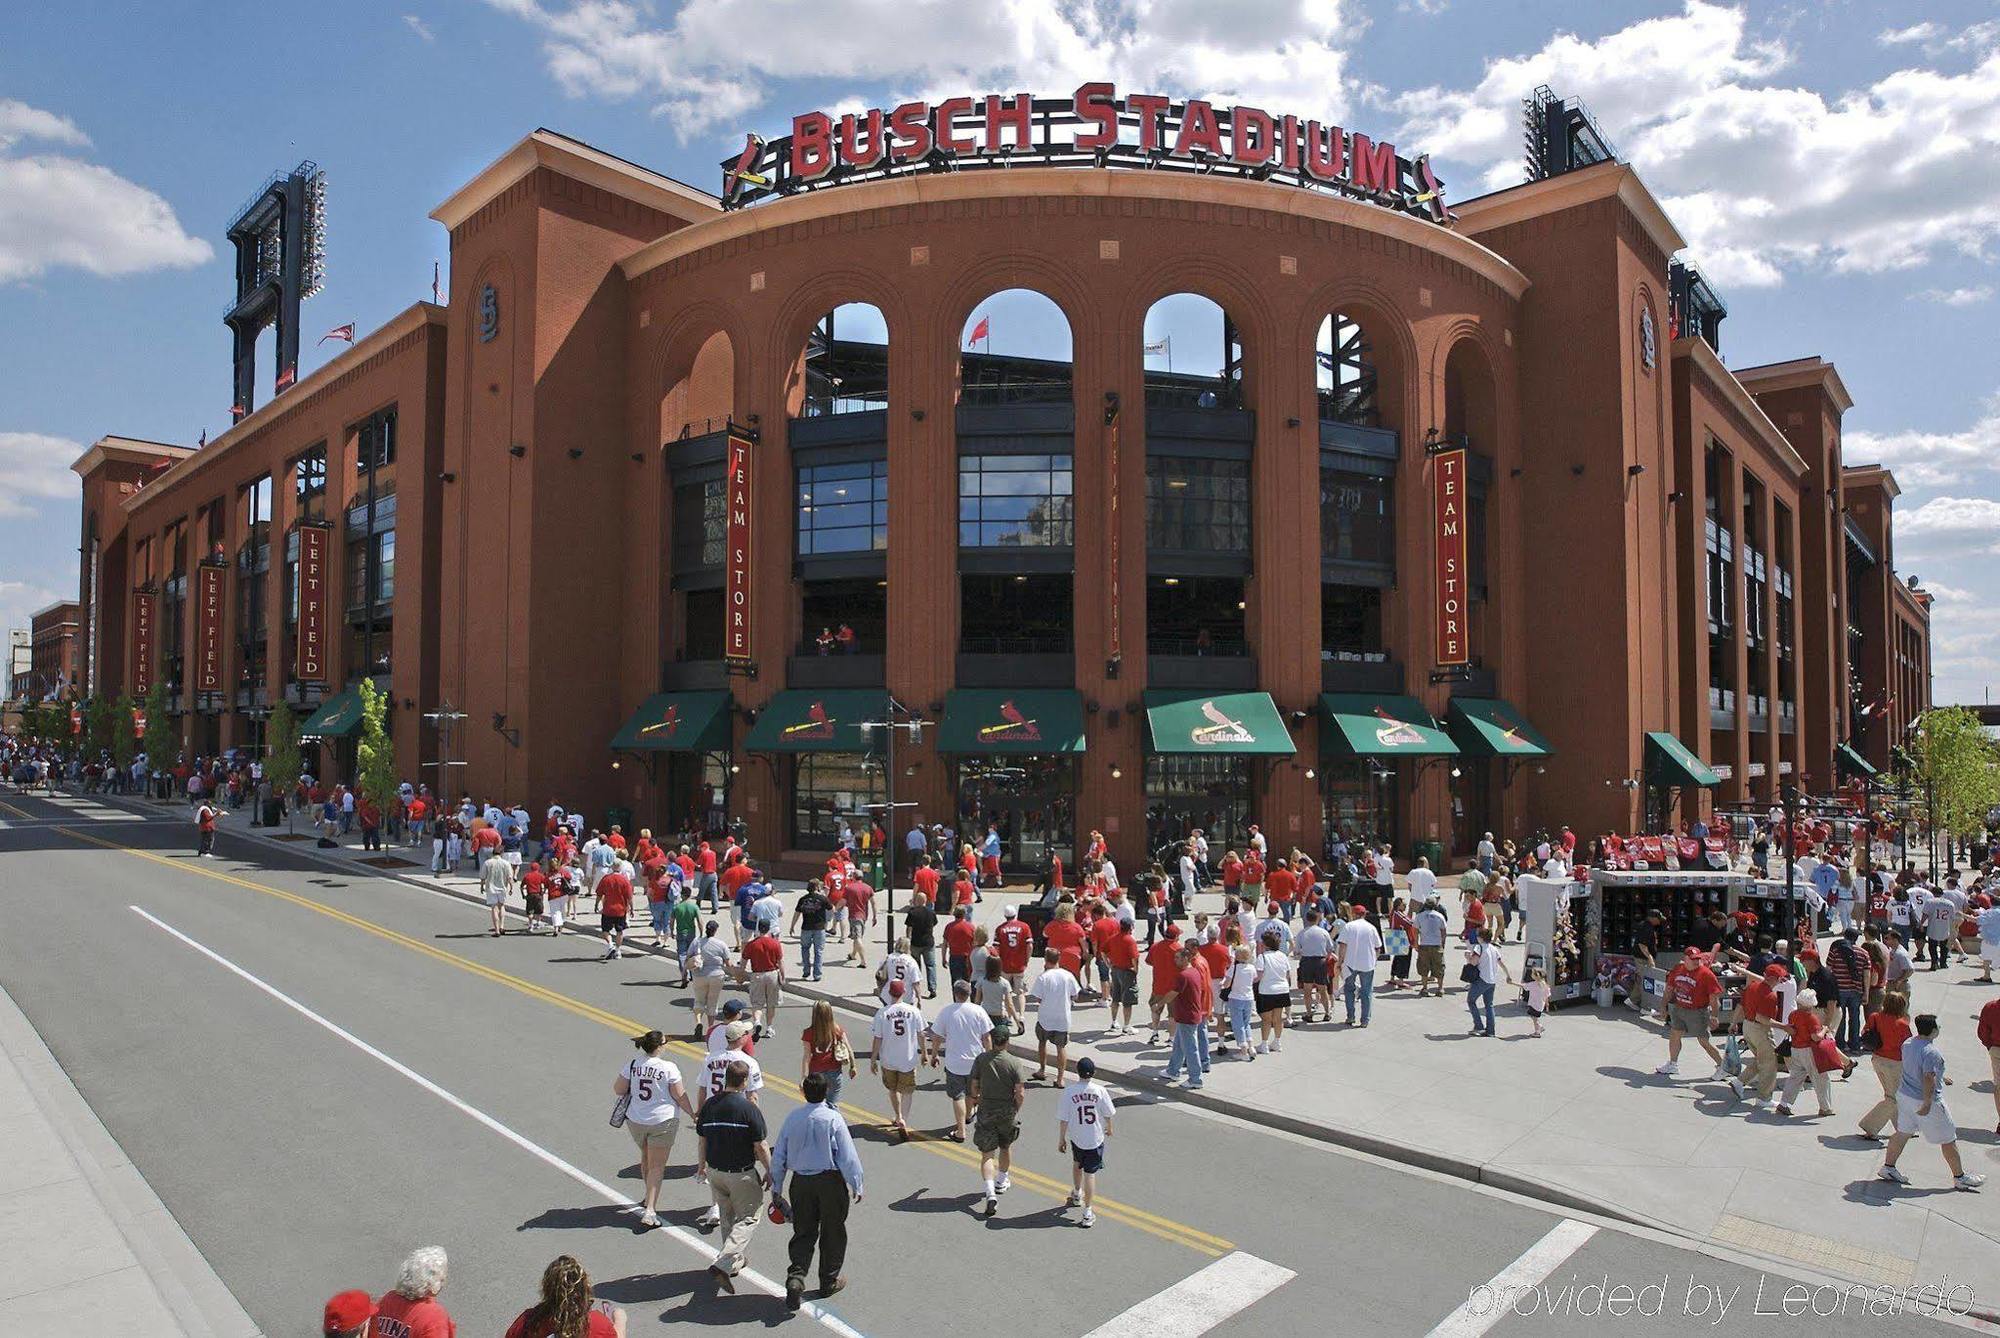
<point>1075,1199</point>
<point>1721,1074</point>
<point>1969,1183</point>
<point>1277,1046</point>
<point>1002,1185</point>
<point>1263,1049</point>
<point>1667,1070</point>
<point>1089,1218</point>
<point>1893,1174</point>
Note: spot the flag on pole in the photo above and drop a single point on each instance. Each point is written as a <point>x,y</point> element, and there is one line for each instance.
<point>204,439</point>
<point>286,377</point>
<point>344,333</point>
<point>1160,347</point>
<point>435,299</point>
<point>983,330</point>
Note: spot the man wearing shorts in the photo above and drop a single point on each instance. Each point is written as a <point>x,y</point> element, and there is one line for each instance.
<point>1431,929</point>
<point>764,958</point>
<point>897,1031</point>
<point>496,878</point>
<point>998,1094</point>
<point>1055,993</point>
<point>1315,946</point>
<point>1015,943</point>
<point>1083,1127</point>
<point>685,917</point>
<point>614,895</point>
<point>960,1030</point>
<point>1166,973</point>
<point>1920,1109</point>
<point>860,900</point>
<point>1692,990</point>
<point>1121,950</point>
<point>710,958</point>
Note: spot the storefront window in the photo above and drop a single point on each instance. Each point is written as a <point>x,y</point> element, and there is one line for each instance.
<point>828,788</point>
<point>1031,800</point>
<point>1014,501</point>
<point>1357,518</point>
<point>701,525</point>
<point>843,508</point>
<point>1196,505</point>
<point>1350,621</point>
<point>1186,792</point>
<point>1359,800</point>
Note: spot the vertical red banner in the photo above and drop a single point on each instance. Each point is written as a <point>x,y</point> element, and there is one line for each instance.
<point>1448,519</point>
<point>736,564</point>
<point>142,641</point>
<point>309,656</point>
<point>208,628</point>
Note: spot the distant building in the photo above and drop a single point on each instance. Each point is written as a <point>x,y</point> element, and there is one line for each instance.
<point>20,661</point>
<point>52,641</point>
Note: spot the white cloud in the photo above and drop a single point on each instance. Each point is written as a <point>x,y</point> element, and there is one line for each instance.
<point>21,600</point>
<point>1955,297</point>
<point>36,468</point>
<point>1761,177</point>
<point>1931,459</point>
<point>1951,515</point>
<point>711,64</point>
<point>1916,32</point>
<point>419,27</point>
<point>56,210</point>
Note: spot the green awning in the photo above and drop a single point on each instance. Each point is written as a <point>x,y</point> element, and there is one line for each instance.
<point>1370,724</point>
<point>1218,723</point>
<point>1489,727</point>
<point>1671,762</point>
<point>802,721</point>
<point>677,722</point>
<point>982,720</point>
<point>1853,763</point>
<point>337,717</point>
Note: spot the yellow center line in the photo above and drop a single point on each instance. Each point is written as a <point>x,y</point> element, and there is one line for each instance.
<point>1163,1227</point>
<point>13,812</point>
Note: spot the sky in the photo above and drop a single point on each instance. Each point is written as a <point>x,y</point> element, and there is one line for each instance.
<point>1831,162</point>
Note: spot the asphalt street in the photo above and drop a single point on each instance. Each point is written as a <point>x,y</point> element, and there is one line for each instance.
<point>317,1071</point>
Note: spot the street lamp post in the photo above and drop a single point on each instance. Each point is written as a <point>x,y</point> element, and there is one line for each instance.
<point>889,725</point>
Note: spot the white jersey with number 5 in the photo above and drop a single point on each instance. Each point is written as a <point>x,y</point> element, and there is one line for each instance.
<point>896,1029</point>
<point>654,1082</point>
<point>1086,1107</point>
<point>715,1068</point>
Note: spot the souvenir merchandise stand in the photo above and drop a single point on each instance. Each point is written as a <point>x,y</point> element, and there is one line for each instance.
<point>1581,934</point>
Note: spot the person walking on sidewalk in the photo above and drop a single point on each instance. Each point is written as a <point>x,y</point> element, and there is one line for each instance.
<point>816,1150</point>
<point>1888,1028</point>
<point>1083,1127</point>
<point>960,1030</point>
<point>739,1165</point>
<point>809,917</point>
<point>1193,1001</point>
<point>1360,948</point>
<point>650,1086</point>
<point>1989,1036</point>
<point>1273,992</point>
<point>205,814</point>
<point>1483,972</point>
<point>496,880</point>
<point>614,900</point>
<point>1761,1014</point>
<point>1055,996</point>
<point>764,959</point>
<point>827,1052</point>
<point>1692,991</point>
<point>1808,1030</point>
<point>1920,1109</point>
<point>998,1093</point>
<point>858,896</point>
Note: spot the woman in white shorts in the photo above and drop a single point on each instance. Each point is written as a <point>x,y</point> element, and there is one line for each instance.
<point>1920,1108</point>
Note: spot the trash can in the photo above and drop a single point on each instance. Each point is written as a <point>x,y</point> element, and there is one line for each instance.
<point>1432,851</point>
<point>620,818</point>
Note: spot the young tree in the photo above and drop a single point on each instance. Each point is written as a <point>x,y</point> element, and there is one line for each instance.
<point>1953,764</point>
<point>124,741</point>
<point>159,742</point>
<point>96,727</point>
<point>377,752</point>
<point>284,765</point>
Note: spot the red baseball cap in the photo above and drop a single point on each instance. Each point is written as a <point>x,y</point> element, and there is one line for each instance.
<point>1775,972</point>
<point>348,1311</point>
<point>1172,931</point>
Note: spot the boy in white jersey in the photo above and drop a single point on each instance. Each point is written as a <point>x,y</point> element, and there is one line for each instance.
<point>1084,1125</point>
<point>895,1051</point>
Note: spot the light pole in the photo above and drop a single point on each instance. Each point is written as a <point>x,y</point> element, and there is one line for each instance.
<point>889,725</point>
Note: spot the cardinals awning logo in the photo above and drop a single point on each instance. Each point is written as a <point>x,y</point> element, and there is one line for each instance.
<point>1013,727</point>
<point>817,724</point>
<point>1221,730</point>
<point>666,725</point>
<point>1396,733</point>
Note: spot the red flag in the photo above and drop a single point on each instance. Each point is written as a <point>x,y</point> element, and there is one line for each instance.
<point>286,377</point>
<point>344,333</point>
<point>983,330</point>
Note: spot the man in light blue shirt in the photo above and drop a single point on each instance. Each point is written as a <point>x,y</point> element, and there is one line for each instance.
<point>1920,1109</point>
<point>816,1148</point>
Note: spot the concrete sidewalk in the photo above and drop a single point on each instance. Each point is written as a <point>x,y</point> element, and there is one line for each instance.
<point>85,1244</point>
<point>1576,1117</point>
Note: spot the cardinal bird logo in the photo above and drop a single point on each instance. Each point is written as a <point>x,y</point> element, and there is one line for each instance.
<point>1221,729</point>
<point>666,724</point>
<point>1512,734</point>
<point>743,172</point>
<point>817,724</point>
<point>1395,733</point>
<point>1013,726</point>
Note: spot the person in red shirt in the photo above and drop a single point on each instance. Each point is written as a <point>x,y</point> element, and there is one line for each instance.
<point>925,880</point>
<point>1015,943</point>
<point>614,896</point>
<point>1989,1036</point>
<point>1055,871</point>
<point>615,841</point>
<point>1807,1028</point>
<point>860,899</point>
<point>958,940</point>
<point>1193,1000</point>
<point>410,1309</point>
<point>1232,873</point>
<point>1067,937</point>
<point>1161,957</point>
<point>1121,952</point>
<point>1253,879</point>
<point>705,883</point>
<point>1281,886</point>
<point>1759,1013</point>
<point>1103,929</point>
<point>1692,990</point>
<point>1215,954</point>
<point>963,892</point>
<point>565,1309</point>
<point>534,889</point>
<point>1891,1025</point>
<point>764,959</point>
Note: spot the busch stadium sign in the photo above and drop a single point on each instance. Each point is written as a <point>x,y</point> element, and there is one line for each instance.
<point>1092,128</point>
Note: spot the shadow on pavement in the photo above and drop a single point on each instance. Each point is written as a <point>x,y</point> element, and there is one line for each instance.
<point>702,1302</point>
<point>577,1219</point>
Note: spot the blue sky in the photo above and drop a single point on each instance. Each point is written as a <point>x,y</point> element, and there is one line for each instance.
<point>1833,164</point>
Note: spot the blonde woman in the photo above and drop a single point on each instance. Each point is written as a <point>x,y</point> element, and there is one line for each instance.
<point>827,1052</point>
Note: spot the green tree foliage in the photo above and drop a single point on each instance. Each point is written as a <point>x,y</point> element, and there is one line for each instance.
<point>1955,766</point>
<point>284,764</point>
<point>124,743</point>
<point>377,751</point>
<point>96,727</point>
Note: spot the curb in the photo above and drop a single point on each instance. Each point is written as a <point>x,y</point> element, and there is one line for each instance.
<point>199,1301</point>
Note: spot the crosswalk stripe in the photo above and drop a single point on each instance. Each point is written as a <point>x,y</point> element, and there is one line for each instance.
<point>1200,1301</point>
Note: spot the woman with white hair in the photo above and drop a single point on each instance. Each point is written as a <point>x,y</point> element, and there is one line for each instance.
<point>412,1306</point>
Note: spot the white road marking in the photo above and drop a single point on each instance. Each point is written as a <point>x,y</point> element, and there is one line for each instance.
<point>1492,1301</point>
<point>1200,1301</point>
<point>762,1283</point>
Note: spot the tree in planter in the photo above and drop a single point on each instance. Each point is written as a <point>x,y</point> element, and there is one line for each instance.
<point>159,742</point>
<point>1955,767</point>
<point>96,727</point>
<point>377,751</point>
<point>284,765</point>
<point>124,743</point>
